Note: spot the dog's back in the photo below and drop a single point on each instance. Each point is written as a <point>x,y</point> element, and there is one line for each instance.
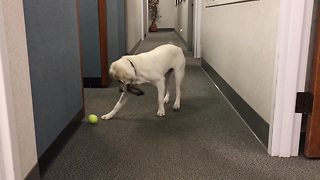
<point>165,57</point>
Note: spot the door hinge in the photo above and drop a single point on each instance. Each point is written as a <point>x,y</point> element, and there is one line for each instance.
<point>304,102</point>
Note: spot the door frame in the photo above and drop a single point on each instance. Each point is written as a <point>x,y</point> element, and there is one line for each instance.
<point>144,13</point>
<point>197,16</point>
<point>295,18</point>
<point>142,21</point>
<point>9,150</point>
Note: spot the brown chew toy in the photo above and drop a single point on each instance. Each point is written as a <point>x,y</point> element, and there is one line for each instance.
<point>133,90</point>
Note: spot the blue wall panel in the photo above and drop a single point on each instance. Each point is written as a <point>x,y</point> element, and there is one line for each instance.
<point>54,59</point>
<point>122,27</point>
<point>116,29</point>
<point>89,35</point>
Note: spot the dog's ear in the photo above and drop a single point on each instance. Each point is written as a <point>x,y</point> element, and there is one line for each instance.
<point>112,72</point>
<point>116,71</point>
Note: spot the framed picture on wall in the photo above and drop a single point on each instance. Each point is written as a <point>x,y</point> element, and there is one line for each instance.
<point>212,3</point>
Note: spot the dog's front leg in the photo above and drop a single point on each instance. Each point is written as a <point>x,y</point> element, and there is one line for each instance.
<point>161,88</point>
<point>123,99</point>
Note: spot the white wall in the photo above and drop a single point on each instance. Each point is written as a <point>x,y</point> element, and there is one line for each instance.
<point>133,23</point>
<point>239,42</point>
<point>181,26</point>
<point>20,83</point>
<point>183,21</point>
<point>166,9</point>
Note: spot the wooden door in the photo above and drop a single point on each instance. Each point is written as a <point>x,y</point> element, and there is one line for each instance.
<point>94,42</point>
<point>102,8</point>
<point>312,141</point>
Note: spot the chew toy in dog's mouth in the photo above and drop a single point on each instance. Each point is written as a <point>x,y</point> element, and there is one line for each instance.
<point>131,89</point>
<point>134,90</point>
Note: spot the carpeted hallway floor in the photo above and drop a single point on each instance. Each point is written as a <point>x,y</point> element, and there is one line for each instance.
<point>205,140</point>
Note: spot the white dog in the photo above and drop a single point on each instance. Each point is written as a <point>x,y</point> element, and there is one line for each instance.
<point>152,67</point>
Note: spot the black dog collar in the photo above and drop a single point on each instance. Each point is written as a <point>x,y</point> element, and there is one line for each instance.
<point>134,68</point>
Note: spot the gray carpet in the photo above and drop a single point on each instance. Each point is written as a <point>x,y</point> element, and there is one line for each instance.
<point>205,140</point>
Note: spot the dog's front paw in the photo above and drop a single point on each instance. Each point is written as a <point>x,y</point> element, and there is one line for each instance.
<point>160,113</point>
<point>107,116</point>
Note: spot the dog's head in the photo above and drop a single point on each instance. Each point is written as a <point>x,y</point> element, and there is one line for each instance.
<point>121,70</point>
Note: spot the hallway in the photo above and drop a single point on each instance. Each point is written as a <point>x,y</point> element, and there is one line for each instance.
<point>207,139</point>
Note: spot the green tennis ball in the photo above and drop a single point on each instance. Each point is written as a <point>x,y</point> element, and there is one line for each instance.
<point>92,119</point>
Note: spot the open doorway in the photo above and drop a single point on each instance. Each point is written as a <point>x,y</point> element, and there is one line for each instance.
<point>175,16</point>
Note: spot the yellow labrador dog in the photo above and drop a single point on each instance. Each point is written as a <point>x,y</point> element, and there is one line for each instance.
<point>152,67</point>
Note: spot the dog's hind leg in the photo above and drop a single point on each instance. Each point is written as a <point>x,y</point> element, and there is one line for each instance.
<point>179,74</point>
<point>167,87</point>
<point>123,99</point>
<point>161,90</point>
